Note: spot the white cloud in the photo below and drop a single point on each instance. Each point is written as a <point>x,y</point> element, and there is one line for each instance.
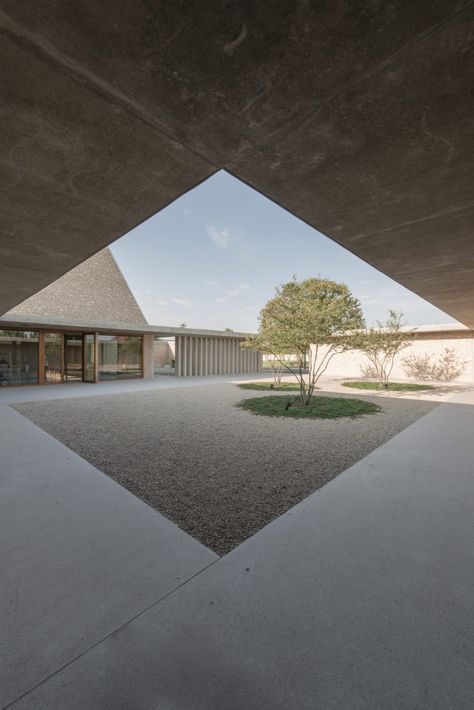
<point>161,303</point>
<point>184,302</point>
<point>233,293</point>
<point>220,236</point>
<point>244,286</point>
<point>221,299</point>
<point>213,284</point>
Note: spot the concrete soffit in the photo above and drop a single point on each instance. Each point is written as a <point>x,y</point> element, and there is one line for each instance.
<point>358,122</point>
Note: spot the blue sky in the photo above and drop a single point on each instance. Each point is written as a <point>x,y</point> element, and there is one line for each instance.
<point>213,258</point>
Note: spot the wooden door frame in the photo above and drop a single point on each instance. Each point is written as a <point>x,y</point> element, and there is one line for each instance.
<point>96,353</point>
<point>42,355</point>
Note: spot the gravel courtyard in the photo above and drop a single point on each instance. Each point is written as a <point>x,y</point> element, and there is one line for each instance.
<point>219,472</point>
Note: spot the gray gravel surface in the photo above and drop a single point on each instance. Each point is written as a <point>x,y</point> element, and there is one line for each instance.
<point>219,472</point>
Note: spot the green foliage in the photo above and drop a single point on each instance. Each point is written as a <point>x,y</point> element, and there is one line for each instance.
<point>313,312</point>
<point>317,408</point>
<point>391,386</point>
<point>270,386</point>
<point>382,344</point>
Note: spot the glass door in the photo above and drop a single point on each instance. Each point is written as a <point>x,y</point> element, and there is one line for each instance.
<point>73,357</point>
<point>89,350</point>
<point>53,358</point>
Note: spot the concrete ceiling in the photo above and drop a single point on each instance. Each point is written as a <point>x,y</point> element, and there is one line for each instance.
<point>355,116</point>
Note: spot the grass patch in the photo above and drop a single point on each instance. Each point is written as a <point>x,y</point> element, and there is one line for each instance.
<point>266,386</point>
<point>318,408</point>
<point>392,386</point>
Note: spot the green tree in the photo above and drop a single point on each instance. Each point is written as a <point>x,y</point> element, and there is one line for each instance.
<point>312,320</point>
<point>381,345</point>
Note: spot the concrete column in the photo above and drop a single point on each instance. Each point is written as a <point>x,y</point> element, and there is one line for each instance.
<point>193,355</point>
<point>188,356</point>
<point>184,356</point>
<point>177,356</point>
<point>201,356</point>
<point>218,357</point>
<point>148,356</point>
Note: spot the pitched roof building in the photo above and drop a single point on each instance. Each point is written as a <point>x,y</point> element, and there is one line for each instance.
<point>87,326</point>
<point>95,290</point>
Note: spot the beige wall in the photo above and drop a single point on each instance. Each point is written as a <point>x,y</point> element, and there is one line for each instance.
<point>352,363</point>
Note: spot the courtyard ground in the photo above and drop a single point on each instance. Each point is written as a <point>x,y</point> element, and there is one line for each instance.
<point>358,597</point>
<point>219,472</point>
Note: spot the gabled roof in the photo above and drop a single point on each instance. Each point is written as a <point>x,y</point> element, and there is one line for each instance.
<point>95,290</point>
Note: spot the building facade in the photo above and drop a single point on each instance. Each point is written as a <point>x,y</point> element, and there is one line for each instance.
<point>88,327</point>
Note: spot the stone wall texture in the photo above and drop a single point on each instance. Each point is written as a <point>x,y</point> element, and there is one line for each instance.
<point>95,290</point>
<point>164,353</point>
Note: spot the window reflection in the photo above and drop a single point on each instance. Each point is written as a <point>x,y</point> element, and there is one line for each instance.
<point>53,358</point>
<point>120,356</point>
<point>18,357</point>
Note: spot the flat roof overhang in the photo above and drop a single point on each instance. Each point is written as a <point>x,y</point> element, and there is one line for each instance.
<point>26,322</point>
<point>356,118</point>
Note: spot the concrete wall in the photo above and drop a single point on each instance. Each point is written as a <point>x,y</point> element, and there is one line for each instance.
<point>430,345</point>
<point>148,360</point>
<point>197,355</point>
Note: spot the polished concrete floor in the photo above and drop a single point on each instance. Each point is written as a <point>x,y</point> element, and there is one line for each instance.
<point>360,597</point>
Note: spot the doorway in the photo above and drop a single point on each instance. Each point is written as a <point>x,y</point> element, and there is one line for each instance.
<point>66,357</point>
<point>72,357</point>
<point>53,358</point>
